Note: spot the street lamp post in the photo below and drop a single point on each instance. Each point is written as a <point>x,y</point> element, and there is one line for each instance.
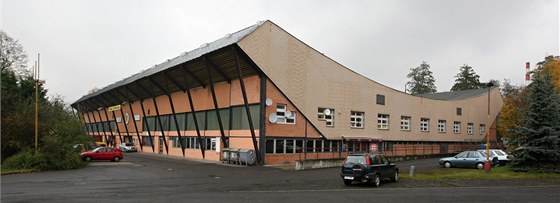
<point>487,163</point>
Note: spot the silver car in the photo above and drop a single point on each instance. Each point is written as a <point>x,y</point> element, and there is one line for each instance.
<point>467,159</point>
<point>127,147</point>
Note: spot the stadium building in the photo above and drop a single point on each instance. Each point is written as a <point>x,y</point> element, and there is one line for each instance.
<point>263,89</point>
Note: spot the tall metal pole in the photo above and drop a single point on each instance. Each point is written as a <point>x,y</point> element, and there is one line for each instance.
<point>37,100</point>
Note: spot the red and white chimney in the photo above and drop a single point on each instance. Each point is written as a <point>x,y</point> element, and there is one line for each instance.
<point>527,76</point>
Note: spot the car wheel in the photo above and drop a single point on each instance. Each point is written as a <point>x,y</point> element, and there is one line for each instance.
<point>480,165</point>
<point>447,164</point>
<point>116,159</point>
<point>395,177</point>
<point>87,158</point>
<point>347,182</point>
<point>376,180</point>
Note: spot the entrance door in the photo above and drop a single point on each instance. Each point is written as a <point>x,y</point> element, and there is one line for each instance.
<point>160,145</point>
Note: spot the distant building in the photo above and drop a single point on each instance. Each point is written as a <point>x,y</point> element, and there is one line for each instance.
<point>302,104</point>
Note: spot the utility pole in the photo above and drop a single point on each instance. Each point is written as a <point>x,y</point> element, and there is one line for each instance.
<point>37,82</point>
<point>36,78</point>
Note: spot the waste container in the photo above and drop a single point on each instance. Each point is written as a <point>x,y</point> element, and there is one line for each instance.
<point>233,155</point>
<point>247,157</point>
<point>225,155</point>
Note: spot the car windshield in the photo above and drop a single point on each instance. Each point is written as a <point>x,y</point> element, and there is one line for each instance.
<point>97,149</point>
<point>499,153</point>
<point>355,159</point>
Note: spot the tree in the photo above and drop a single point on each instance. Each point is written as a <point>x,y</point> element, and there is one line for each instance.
<point>12,55</point>
<point>57,125</point>
<point>466,79</point>
<point>539,133</point>
<point>511,114</point>
<point>551,64</point>
<point>421,80</point>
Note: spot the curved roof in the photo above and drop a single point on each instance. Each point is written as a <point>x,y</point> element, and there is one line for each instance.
<point>457,95</point>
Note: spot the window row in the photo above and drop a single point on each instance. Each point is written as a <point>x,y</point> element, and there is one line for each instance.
<point>292,146</point>
<point>383,121</point>
<point>188,142</point>
<point>441,127</point>
<point>234,118</point>
<point>108,126</point>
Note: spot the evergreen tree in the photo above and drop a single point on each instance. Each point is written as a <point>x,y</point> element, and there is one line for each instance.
<point>421,80</point>
<point>466,79</point>
<point>539,133</point>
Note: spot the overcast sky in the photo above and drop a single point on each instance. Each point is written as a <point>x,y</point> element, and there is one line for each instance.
<point>86,44</point>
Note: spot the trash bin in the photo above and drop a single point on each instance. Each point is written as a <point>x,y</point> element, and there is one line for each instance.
<point>247,157</point>
<point>225,155</point>
<point>233,156</point>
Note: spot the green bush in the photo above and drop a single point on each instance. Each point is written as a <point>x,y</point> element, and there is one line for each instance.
<point>26,159</point>
<point>56,153</point>
<point>59,153</point>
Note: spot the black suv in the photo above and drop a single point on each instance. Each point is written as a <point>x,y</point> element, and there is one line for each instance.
<point>368,168</point>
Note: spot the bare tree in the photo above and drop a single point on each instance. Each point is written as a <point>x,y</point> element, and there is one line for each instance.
<point>12,55</point>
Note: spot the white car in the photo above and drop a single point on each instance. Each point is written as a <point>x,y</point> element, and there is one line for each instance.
<point>503,157</point>
<point>127,147</point>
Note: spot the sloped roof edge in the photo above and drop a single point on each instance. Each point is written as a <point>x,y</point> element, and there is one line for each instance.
<point>227,40</point>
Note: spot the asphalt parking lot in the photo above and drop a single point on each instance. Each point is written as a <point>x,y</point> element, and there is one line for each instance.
<point>144,177</point>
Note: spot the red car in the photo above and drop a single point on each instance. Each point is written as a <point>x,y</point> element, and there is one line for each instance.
<point>103,153</point>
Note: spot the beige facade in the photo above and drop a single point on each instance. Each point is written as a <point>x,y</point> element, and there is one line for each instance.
<point>312,80</point>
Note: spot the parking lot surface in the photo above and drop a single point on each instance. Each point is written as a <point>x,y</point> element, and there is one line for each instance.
<point>143,177</point>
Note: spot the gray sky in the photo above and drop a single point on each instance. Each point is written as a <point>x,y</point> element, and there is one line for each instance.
<point>86,44</point>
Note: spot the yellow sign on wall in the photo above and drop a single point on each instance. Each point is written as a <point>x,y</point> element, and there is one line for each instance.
<point>115,108</point>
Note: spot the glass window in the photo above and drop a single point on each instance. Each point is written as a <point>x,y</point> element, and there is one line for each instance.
<point>176,143</point>
<point>462,155</point>
<point>356,119</point>
<point>424,124</point>
<point>473,155</point>
<point>180,121</point>
<point>470,127</point>
<point>482,129</point>
<point>280,146</point>
<point>456,127</point>
<point>441,126</point>
<point>299,146</point>
<point>383,121</point>
<point>310,145</point>
<point>380,99</point>
<point>112,125</point>
<point>146,141</point>
<point>270,146</point>
<point>240,120</point>
<point>164,122</point>
<point>148,124</point>
<point>201,119</point>
<point>290,148</point>
<point>327,115</point>
<point>224,113</point>
<point>319,145</point>
<point>405,123</point>
<point>284,116</point>
<point>212,120</point>
<point>459,111</point>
